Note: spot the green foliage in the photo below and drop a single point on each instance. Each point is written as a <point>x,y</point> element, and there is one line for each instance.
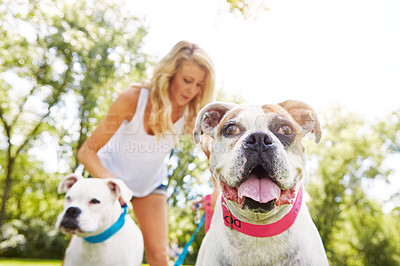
<point>375,243</point>
<point>248,9</point>
<point>61,64</point>
<point>389,130</point>
<point>353,228</point>
<point>238,5</point>
<point>33,193</point>
<point>181,228</point>
<point>32,238</point>
<point>222,96</point>
<point>188,166</point>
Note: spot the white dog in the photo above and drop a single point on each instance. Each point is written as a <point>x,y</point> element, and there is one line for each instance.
<point>257,157</point>
<point>103,233</point>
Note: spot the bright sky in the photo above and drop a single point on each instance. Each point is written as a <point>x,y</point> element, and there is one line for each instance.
<point>320,52</point>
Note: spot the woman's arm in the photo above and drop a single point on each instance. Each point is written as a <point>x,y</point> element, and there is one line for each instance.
<point>122,109</point>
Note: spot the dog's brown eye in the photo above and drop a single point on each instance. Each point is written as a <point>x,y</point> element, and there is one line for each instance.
<point>285,130</point>
<point>94,201</point>
<point>233,130</point>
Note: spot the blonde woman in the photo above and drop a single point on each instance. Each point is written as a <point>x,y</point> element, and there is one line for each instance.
<point>134,138</point>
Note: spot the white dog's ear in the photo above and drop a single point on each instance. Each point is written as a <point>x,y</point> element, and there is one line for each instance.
<point>305,116</point>
<point>68,182</point>
<point>118,188</point>
<point>209,117</point>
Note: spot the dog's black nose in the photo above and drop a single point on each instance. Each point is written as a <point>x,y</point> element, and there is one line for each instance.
<point>259,141</point>
<point>73,212</point>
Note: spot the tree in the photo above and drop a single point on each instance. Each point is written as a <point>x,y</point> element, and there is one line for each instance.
<point>55,53</point>
<point>248,9</point>
<point>352,151</point>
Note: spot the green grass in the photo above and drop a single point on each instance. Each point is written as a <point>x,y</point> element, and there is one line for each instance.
<point>34,262</point>
<point>28,262</point>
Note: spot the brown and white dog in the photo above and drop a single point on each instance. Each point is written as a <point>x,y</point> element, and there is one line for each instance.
<point>257,157</point>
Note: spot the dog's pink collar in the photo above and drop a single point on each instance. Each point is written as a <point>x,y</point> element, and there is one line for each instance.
<point>267,230</point>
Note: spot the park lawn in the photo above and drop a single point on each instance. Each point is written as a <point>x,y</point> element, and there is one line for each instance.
<point>26,262</point>
<point>35,262</point>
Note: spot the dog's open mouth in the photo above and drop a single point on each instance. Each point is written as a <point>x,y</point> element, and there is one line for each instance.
<point>258,192</point>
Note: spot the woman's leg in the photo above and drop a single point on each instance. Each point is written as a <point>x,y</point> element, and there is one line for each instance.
<point>151,215</point>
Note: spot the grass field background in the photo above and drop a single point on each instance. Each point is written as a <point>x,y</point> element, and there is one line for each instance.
<point>34,262</point>
<point>26,262</point>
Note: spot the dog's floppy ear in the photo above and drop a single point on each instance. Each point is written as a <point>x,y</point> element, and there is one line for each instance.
<point>206,144</point>
<point>118,188</point>
<point>209,117</point>
<point>305,116</point>
<point>68,182</point>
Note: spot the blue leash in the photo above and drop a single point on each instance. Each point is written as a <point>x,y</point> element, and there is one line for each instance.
<point>185,250</point>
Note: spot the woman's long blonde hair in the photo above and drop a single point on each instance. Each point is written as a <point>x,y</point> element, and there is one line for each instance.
<point>161,109</point>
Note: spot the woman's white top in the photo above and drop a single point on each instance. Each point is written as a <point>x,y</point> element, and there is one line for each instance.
<point>137,157</point>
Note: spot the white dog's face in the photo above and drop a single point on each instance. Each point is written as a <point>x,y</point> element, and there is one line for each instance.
<point>89,204</point>
<point>256,153</point>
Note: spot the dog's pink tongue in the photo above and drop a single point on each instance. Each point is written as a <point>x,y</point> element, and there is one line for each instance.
<point>262,190</point>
